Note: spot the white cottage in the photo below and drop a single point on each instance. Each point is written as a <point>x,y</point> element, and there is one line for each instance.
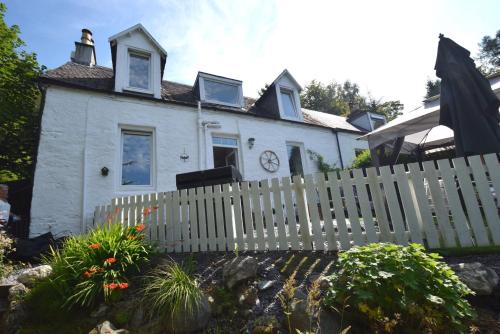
<point>109,132</point>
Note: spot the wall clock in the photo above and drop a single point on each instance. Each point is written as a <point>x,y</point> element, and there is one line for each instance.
<point>269,161</point>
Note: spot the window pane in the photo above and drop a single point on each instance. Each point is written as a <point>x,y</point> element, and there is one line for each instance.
<point>139,71</point>
<point>225,156</point>
<point>136,159</point>
<point>288,104</point>
<point>225,141</point>
<point>218,91</point>
<point>295,160</point>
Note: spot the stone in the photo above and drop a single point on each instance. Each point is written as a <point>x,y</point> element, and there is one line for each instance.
<point>32,275</point>
<point>17,291</point>
<point>299,319</point>
<point>100,311</point>
<point>328,322</point>
<point>238,270</point>
<point>248,297</point>
<point>14,317</point>
<point>478,277</point>
<point>183,322</point>
<point>107,327</point>
<point>267,324</point>
<point>5,288</point>
<point>264,285</point>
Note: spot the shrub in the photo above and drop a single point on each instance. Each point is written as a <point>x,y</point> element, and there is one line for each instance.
<point>5,248</point>
<point>95,266</point>
<point>363,160</point>
<point>172,289</point>
<point>398,289</point>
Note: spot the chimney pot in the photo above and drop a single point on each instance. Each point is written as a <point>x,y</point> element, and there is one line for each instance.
<point>87,37</point>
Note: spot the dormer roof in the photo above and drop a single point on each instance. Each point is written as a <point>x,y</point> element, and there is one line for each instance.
<point>139,27</point>
<point>290,76</point>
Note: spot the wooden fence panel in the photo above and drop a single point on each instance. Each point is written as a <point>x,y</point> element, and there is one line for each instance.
<point>268,215</point>
<point>352,209</point>
<point>279,215</point>
<point>193,220</point>
<point>338,209</point>
<point>393,204</point>
<point>290,214</point>
<point>364,203</point>
<point>219,218</point>
<point>228,216</point>
<point>257,215</point>
<point>326,211</point>
<point>238,217</point>
<point>312,203</point>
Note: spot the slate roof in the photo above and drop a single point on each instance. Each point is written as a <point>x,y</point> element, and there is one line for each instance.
<point>99,78</point>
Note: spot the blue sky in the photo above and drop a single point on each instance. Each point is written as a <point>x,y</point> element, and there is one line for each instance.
<point>387,47</point>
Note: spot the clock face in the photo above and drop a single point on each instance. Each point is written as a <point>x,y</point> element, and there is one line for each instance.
<point>269,161</point>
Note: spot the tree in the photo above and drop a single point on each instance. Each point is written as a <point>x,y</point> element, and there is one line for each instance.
<point>19,99</point>
<point>390,109</point>
<point>432,87</point>
<point>263,90</point>
<point>489,54</point>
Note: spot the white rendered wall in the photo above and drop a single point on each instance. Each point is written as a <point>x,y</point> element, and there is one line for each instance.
<point>81,134</point>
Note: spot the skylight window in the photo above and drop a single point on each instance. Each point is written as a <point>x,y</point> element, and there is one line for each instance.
<point>219,90</point>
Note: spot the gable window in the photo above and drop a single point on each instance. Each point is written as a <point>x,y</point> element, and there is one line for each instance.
<point>219,90</point>
<point>139,70</point>
<point>288,103</point>
<point>136,158</point>
<point>295,159</point>
<point>225,151</point>
<point>376,121</point>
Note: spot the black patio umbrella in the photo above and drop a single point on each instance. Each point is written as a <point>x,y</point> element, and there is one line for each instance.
<point>468,105</point>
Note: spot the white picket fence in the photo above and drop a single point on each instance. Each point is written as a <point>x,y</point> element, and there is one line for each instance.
<point>439,206</point>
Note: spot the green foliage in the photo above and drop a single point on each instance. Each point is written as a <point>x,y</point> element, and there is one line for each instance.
<point>363,160</point>
<point>489,54</point>
<point>320,162</point>
<point>390,109</point>
<point>432,88</point>
<point>19,99</point>
<point>263,89</point>
<point>5,248</point>
<point>172,289</point>
<point>95,266</point>
<point>400,289</point>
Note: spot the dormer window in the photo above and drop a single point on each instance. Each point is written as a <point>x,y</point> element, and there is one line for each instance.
<point>288,103</point>
<point>220,90</point>
<point>139,71</point>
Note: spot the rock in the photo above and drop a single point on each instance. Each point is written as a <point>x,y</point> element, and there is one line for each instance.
<point>14,317</point>
<point>100,311</point>
<point>328,322</point>
<point>183,322</point>
<point>108,328</point>
<point>248,297</point>
<point>239,270</point>
<point>264,285</point>
<point>17,291</point>
<point>32,275</point>
<point>479,278</point>
<point>299,319</point>
<point>5,288</point>
<point>265,325</point>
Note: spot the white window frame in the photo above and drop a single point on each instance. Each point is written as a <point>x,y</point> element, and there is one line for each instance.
<point>373,117</point>
<point>140,130</point>
<point>305,167</point>
<point>141,53</point>
<point>237,147</point>
<point>225,81</point>
<point>296,103</point>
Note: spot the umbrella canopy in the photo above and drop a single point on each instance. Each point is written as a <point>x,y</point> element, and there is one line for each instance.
<point>467,102</point>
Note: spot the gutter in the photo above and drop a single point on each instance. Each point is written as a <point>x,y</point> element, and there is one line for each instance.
<point>338,148</point>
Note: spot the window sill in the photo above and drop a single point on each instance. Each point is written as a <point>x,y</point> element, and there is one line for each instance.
<point>138,90</point>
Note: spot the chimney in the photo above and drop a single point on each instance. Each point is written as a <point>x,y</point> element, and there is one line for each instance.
<point>84,50</point>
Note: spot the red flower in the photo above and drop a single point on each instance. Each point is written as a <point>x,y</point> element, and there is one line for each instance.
<point>110,260</point>
<point>87,274</point>
<point>140,227</point>
<point>146,212</point>
<point>123,285</point>
<point>95,246</point>
<point>111,286</point>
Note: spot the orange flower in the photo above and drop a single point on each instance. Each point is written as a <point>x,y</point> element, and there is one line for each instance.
<point>123,285</point>
<point>131,237</point>
<point>146,212</point>
<point>111,286</point>
<point>95,246</point>
<point>110,260</point>
<point>140,227</point>
<point>87,274</point>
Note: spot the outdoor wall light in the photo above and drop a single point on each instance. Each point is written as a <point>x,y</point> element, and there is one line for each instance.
<point>251,142</point>
<point>184,156</point>
<point>104,171</point>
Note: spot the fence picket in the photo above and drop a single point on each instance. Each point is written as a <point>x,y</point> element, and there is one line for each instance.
<point>408,204</point>
<point>338,208</point>
<point>470,199</point>
<point>352,209</point>
<point>422,200</point>
<point>268,215</point>
<point>228,216</point>
<point>202,223</point>
<point>169,226</point>
<point>176,221</point>
<point>219,219</point>
<point>326,212</point>
<point>494,172</point>
<point>487,202</point>
<point>440,208</point>
<point>393,204</point>
<point>209,206</point>
<point>153,228</point>
<point>312,204</point>
<point>139,200</point>
<point>247,215</point>
<point>459,219</point>
<point>238,218</point>
<point>290,213</point>
<point>193,220</point>
<point>186,242</point>
<point>379,205</point>
<point>280,220</point>
<point>364,203</point>
<point>303,214</point>
<point>257,214</point>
